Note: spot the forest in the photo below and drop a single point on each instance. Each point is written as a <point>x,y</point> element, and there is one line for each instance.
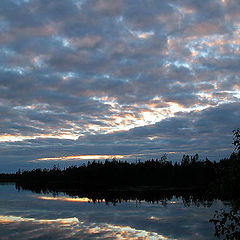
<point>190,174</point>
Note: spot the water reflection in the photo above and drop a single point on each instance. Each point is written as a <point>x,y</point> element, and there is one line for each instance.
<point>27,215</point>
<point>119,195</point>
<point>68,199</point>
<point>69,228</point>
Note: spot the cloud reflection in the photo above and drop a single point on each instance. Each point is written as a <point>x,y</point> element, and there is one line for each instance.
<point>69,228</point>
<point>68,199</point>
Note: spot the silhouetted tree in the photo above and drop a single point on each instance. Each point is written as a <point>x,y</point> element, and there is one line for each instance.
<point>236,138</point>
<point>227,224</point>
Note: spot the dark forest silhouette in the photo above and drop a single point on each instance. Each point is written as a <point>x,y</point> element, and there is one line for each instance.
<point>190,173</point>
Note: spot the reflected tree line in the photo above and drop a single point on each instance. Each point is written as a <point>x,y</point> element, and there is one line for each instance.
<point>152,195</point>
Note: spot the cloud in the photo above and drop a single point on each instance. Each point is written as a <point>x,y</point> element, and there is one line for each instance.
<point>115,69</point>
<point>206,132</point>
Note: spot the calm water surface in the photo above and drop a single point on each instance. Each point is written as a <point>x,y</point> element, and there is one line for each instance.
<point>27,215</point>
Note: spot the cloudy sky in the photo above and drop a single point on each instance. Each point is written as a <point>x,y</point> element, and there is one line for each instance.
<point>127,78</point>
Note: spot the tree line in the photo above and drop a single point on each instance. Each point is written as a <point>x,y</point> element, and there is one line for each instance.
<point>221,177</point>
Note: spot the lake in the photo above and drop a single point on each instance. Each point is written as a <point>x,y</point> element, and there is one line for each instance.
<point>28,215</point>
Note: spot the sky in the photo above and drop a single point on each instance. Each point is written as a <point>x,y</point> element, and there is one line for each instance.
<point>131,79</point>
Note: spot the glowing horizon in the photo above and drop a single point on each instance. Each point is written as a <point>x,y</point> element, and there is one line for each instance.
<point>82,157</point>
